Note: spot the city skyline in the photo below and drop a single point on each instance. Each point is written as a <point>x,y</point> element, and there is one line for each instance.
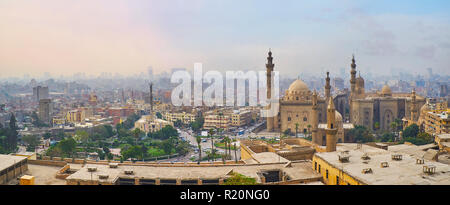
<point>64,38</point>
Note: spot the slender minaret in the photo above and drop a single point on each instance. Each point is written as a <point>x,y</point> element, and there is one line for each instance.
<point>331,127</point>
<point>352,86</point>
<point>315,118</point>
<point>327,86</point>
<point>151,98</point>
<point>269,67</point>
<point>353,75</point>
<point>413,105</point>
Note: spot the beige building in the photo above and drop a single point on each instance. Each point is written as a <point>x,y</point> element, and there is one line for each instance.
<point>75,116</point>
<point>433,118</point>
<point>214,121</point>
<point>240,118</point>
<point>148,123</point>
<point>184,117</point>
<point>381,107</point>
<point>45,110</point>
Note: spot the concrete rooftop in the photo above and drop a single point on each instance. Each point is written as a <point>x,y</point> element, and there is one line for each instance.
<point>402,172</point>
<point>299,170</point>
<point>9,160</point>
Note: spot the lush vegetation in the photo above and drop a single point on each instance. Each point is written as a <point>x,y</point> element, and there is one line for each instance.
<point>8,137</point>
<point>361,134</point>
<point>413,135</point>
<point>36,121</point>
<point>239,179</point>
<point>197,125</point>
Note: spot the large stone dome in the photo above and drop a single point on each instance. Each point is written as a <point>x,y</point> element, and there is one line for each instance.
<point>298,86</point>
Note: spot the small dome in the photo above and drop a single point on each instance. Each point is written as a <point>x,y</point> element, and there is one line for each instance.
<point>299,86</point>
<point>386,90</point>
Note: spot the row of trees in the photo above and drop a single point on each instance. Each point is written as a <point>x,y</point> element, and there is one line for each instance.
<point>212,155</point>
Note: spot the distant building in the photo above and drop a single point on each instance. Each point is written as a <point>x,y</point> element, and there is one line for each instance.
<point>443,90</point>
<point>148,123</point>
<point>40,92</point>
<point>45,110</point>
<point>214,121</point>
<point>338,83</point>
<point>75,116</point>
<point>184,117</point>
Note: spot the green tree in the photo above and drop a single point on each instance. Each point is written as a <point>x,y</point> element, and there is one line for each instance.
<point>137,135</point>
<point>67,146</point>
<point>31,141</point>
<point>296,129</point>
<point>47,135</point>
<point>211,136</point>
<point>410,131</point>
<point>83,136</point>
<point>361,134</point>
<point>178,123</point>
<point>159,115</point>
<point>377,125</point>
<point>239,179</point>
<point>199,140</point>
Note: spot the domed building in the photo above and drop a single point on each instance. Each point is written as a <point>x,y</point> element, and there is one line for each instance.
<point>377,110</point>
<point>296,108</point>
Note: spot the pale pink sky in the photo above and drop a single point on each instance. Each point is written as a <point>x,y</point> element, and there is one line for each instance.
<point>94,36</point>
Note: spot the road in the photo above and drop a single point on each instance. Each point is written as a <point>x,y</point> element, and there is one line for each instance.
<point>206,145</point>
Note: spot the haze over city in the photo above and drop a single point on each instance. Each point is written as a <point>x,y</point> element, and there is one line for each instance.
<point>61,37</point>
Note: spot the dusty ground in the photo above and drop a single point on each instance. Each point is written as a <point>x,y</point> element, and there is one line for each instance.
<point>45,175</point>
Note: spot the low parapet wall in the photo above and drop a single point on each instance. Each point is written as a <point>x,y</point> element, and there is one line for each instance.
<point>48,163</point>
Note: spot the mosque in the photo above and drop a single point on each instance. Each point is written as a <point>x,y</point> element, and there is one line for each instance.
<point>302,110</point>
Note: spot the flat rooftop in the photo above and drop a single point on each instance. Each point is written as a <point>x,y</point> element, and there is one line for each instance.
<point>297,171</point>
<point>401,172</point>
<point>444,136</point>
<point>9,160</point>
<point>268,157</point>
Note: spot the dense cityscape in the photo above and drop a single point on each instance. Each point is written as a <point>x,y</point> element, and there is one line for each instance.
<point>374,116</point>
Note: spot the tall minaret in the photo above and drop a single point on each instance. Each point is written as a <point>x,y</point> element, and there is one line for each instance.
<point>269,67</point>
<point>315,118</point>
<point>352,87</point>
<point>151,98</point>
<point>327,86</point>
<point>353,75</point>
<point>413,105</point>
<point>331,127</point>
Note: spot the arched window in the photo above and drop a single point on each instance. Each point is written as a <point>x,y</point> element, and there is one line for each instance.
<point>305,119</point>
<point>289,118</point>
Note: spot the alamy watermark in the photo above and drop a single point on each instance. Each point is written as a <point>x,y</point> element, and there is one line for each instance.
<point>235,88</point>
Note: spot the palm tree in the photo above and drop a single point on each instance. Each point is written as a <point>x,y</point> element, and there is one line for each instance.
<point>211,133</point>
<point>199,140</point>
<point>394,126</point>
<point>137,133</point>
<point>296,129</point>
<point>229,146</point>
<point>225,140</point>
<point>235,151</point>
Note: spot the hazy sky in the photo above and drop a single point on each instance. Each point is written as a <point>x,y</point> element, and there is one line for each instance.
<point>94,36</point>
